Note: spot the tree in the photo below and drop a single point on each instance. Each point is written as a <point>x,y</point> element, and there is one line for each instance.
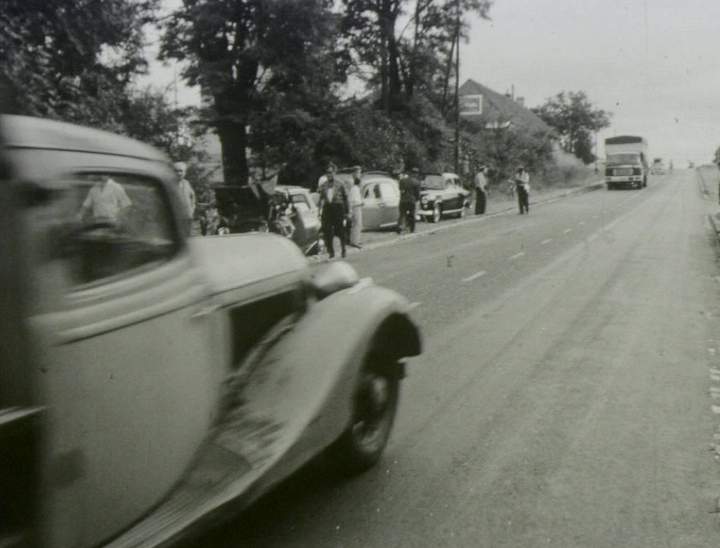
<point>73,60</point>
<point>575,119</point>
<point>399,60</point>
<point>251,57</point>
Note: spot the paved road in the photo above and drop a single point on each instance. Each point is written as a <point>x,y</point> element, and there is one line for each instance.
<point>564,398</point>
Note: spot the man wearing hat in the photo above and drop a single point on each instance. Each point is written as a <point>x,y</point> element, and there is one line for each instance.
<point>480,191</point>
<point>409,196</point>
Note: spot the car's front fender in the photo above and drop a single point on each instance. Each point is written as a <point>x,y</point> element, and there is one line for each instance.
<point>307,380</point>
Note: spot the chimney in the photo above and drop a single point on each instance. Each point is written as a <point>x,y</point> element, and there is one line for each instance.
<point>521,101</point>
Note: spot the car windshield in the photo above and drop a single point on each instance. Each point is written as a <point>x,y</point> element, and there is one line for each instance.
<point>623,159</point>
<point>433,182</point>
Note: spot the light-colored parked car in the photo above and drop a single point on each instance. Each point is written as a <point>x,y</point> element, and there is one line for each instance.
<point>149,381</point>
<point>381,197</point>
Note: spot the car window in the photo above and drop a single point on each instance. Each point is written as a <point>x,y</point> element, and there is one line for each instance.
<point>366,192</point>
<point>300,202</point>
<point>389,190</point>
<point>376,191</point>
<point>109,225</point>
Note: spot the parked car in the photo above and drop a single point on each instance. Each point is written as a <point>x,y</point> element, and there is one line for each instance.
<point>149,381</point>
<point>381,197</point>
<point>442,195</point>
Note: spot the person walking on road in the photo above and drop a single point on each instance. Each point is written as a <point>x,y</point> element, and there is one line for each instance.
<point>356,203</point>
<point>409,197</point>
<point>522,186</point>
<point>334,208</point>
<point>480,191</point>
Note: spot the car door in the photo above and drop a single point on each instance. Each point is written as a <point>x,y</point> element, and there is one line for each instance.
<point>373,206</point>
<point>128,379</point>
<point>391,199</point>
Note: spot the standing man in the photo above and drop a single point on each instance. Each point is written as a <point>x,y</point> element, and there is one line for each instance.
<point>187,196</point>
<point>522,185</point>
<point>356,203</point>
<point>409,197</point>
<point>335,209</point>
<point>107,201</point>
<point>331,170</point>
<point>480,191</point>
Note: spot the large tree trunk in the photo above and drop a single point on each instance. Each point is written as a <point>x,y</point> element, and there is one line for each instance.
<point>233,142</point>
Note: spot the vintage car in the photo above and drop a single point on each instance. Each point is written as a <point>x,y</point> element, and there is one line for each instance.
<point>150,383</point>
<point>442,195</point>
<point>288,210</point>
<point>381,199</point>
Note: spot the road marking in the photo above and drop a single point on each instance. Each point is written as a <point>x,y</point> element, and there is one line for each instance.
<point>474,276</point>
<point>516,256</point>
<point>545,242</point>
<point>413,306</point>
<point>567,231</point>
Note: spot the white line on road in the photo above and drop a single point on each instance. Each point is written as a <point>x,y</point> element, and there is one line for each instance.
<point>567,231</point>
<point>474,276</point>
<point>545,242</point>
<point>516,256</point>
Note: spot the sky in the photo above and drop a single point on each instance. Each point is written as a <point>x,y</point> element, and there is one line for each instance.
<point>653,64</point>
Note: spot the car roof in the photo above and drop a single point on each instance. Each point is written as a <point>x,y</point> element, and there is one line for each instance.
<point>41,133</point>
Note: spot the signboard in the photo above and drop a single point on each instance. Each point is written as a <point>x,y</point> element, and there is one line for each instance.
<point>470,105</point>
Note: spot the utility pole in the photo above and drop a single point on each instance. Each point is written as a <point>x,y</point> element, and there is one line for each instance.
<point>457,86</point>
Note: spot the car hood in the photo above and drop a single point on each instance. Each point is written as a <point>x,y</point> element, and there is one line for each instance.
<point>237,260</point>
<point>431,192</point>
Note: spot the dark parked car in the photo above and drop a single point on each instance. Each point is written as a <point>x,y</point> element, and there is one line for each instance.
<point>442,195</point>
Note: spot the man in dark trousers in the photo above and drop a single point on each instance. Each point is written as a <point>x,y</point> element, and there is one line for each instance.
<point>480,191</point>
<point>522,186</point>
<point>335,210</point>
<point>409,197</point>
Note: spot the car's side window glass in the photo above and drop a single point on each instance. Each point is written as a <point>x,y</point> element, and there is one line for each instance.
<point>366,194</point>
<point>388,190</point>
<point>376,191</point>
<point>113,224</point>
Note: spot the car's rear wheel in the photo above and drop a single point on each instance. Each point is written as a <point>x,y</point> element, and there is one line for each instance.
<point>374,409</point>
<point>436,214</point>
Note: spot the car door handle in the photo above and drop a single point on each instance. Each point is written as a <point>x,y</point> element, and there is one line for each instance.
<point>204,311</point>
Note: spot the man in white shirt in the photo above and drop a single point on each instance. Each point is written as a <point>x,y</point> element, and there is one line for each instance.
<point>522,185</point>
<point>480,191</point>
<point>187,196</point>
<point>356,203</point>
<point>107,201</point>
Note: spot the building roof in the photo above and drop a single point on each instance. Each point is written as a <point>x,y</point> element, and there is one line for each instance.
<point>499,109</point>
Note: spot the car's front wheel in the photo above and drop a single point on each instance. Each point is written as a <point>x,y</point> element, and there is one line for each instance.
<point>374,408</point>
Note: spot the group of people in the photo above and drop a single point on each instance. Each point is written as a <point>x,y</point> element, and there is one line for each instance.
<point>340,210</point>
<point>520,184</point>
<point>341,207</point>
